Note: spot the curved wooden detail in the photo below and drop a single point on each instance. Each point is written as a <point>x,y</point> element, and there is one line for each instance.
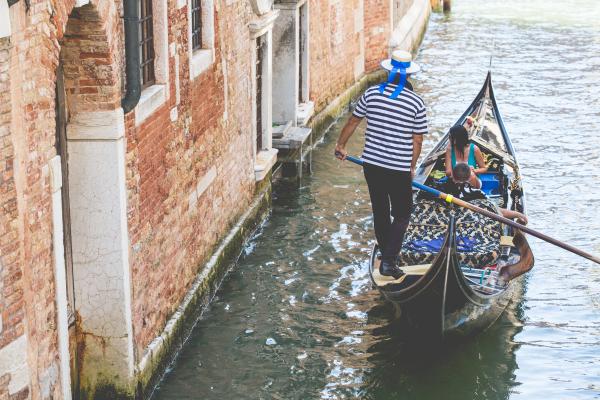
<point>526,262</point>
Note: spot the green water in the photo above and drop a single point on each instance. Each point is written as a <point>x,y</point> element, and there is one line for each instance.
<point>297,317</point>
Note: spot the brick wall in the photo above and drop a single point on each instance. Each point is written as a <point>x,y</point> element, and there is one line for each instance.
<point>10,275</point>
<point>173,231</point>
<point>377,31</point>
<point>12,305</point>
<point>337,33</point>
<point>33,59</point>
<point>334,45</point>
<point>90,68</point>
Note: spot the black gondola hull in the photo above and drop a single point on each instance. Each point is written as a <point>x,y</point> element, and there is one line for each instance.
<point>441,303</point>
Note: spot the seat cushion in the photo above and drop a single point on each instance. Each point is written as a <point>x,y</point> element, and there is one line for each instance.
<point>478,237</point>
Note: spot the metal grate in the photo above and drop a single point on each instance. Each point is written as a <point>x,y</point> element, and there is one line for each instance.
<point>301,50</point>
<point>260,55</point>
<point>146,44</point>
<point>300,64</point>
<point>196,24</point>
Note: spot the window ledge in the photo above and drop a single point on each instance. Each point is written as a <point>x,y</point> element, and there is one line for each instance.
<point>201,61</point>
<point>304,112</point>
<point>150,100</point>
<point>265,160</point>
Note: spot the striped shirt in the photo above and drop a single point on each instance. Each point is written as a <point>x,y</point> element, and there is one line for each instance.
<point>390,126</point>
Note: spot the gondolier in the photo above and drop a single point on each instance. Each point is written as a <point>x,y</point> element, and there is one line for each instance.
<point>396,121</point>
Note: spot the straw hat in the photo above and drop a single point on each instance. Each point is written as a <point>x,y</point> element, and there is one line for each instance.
<point>403,57</point>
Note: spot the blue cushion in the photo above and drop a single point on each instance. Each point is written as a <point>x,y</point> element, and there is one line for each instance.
<point>490,185</point>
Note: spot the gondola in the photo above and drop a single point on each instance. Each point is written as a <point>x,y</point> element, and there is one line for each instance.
<point>461,267</point>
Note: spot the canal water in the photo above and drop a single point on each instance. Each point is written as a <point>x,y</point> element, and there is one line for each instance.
<point>297,317</point>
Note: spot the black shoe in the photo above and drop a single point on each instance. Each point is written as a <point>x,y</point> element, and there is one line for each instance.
<point>379,253</point>
<point>390,268</point>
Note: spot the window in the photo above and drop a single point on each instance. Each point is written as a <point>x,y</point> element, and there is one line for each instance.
<point>196,25</point>
<point>201,35</point>
<point>303,54</point>
<point>154,57</point>
<point>261,48</point>
<point>147,44</point>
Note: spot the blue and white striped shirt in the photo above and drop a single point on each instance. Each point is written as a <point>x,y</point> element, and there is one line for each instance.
<point>390,126</point>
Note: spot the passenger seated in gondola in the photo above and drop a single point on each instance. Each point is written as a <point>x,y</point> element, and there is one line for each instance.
<point>467,186</point>
<point>459,150</point>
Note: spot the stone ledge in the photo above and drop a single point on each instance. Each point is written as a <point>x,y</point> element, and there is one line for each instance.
<point>201,61</point>
<point>289,4</point>
<point>260,25</point>
<point>96,125</point>
<point>304,112</point>
<point>265,160</point>
<point>151,99</point>
<point>293,138</point>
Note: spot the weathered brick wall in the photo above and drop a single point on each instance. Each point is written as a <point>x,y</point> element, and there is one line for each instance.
<point>28,143</point>
<point>334,46</point>
<point>12,304</point>
<point>377,31</point>
<point>32,59</point>
<point>91,58</point>
<point>172,230</point>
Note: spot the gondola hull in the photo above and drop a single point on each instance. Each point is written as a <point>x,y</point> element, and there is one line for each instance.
<point>442,304</point>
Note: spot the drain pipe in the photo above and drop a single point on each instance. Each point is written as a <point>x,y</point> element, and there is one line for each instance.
<point>132,55</point>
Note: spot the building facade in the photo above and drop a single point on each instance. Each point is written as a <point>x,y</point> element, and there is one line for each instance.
<point>136,151</point>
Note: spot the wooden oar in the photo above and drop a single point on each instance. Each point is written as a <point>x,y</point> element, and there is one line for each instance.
<point>451,199</point>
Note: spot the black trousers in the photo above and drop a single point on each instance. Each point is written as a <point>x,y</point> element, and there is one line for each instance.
<point>391,196</point>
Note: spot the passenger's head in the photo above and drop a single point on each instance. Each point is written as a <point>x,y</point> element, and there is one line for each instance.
<point>461,173</point>
<point>459,137</point>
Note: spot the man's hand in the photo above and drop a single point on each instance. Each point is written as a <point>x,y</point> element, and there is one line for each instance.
<point>522,219</point>
<point>347,131</point>
<point>340,152</point>
<point>412,172</point>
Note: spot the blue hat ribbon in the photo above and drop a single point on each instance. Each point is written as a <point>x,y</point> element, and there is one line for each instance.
<point>397,68</point>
